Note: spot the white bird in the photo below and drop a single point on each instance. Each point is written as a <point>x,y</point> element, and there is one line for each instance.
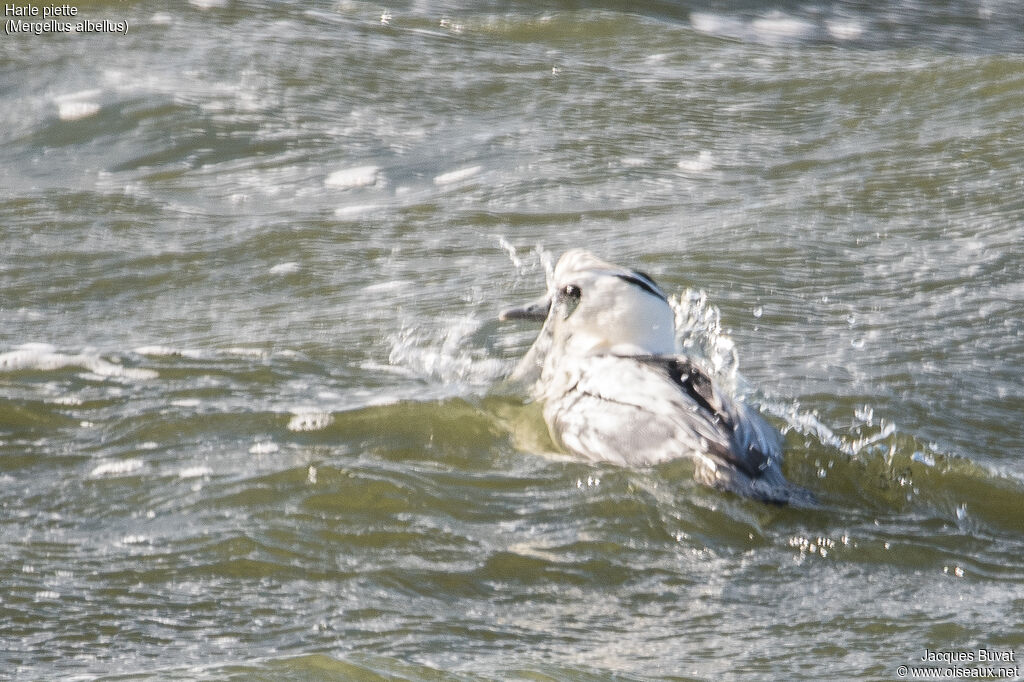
<point>614,390</point>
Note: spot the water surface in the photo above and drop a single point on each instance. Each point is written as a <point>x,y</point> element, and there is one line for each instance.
<point>252,416</point>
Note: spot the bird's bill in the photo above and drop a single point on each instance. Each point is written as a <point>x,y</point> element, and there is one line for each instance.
<point>536,311</point>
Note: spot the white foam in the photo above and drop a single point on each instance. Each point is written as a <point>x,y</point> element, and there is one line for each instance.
<point>264,448</point>
<point>716,24</point>
<point>360,209</point>
<point>246,352</point>
<point>117,468</point>
<point>158,351</point>
<point>390,285</point>
<point>134,540</point>
<point>359,176</point>
<point>285,268</point>
<point>73,111</point>
<point>457,175</point>
<point>77,105</point>
<point>42,357</point>
<point>780,27</point>
<point>309,420</point>
<point>703,162</point>
<point>195,472</point>
<point>774,27</point>
<point>845,29</point>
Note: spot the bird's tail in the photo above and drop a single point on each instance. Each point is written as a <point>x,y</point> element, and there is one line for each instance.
<point>771,487</point>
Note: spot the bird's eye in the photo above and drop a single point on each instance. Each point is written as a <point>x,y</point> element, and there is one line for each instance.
<point>569,299</point>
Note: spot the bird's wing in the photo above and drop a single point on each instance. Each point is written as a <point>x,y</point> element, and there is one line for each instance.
<point>646,409</point>
<point>755,445</point>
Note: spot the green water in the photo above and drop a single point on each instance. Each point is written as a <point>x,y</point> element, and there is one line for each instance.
<point>253,423</point>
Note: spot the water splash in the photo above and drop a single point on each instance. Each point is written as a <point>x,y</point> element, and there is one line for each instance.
<point>867,458</point>
<point>460,355</point>
<point>699,334</point>
<point>447,355</point>
<point>526,266</point>
<point>512,252</point>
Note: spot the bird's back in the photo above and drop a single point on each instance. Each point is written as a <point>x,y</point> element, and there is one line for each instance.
<point>647,409</point>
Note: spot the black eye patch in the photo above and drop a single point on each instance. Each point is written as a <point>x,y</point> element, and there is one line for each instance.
<point>643,281</point>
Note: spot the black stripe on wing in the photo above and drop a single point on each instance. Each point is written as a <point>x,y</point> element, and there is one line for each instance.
<point>699,387</point>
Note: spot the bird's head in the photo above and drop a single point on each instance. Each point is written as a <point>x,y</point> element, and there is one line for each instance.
<point>594,307</point>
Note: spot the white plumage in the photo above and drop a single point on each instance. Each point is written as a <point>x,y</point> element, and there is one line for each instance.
<point>613,389</point>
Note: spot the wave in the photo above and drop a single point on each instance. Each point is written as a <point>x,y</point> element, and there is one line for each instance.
<point>43,357</point>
